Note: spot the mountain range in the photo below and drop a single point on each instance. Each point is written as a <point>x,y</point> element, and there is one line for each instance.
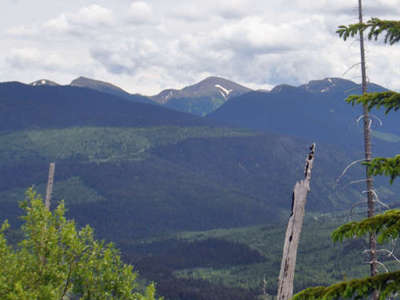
<point>316,112</point>
<point>144,175</point>
<point>199,99</point>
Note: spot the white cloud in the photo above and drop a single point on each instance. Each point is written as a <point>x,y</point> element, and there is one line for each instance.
<point>232,9</point>
<point>93,16</point>
<point>152,44</point>
<point>32,58</point>
<point>59,24</point>
<point>140,13</point>
<point>21,31</point>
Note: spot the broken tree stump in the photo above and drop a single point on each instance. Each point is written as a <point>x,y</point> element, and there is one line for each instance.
<point>292,237</point>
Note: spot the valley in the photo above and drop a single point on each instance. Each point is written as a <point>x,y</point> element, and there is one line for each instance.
<point>198,204</point>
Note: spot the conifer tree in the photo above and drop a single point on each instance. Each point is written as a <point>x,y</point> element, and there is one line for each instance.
<point>385,226</point>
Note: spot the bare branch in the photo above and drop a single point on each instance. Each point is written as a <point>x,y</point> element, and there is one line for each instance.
<point>380,123</point>
<point>357,204</point>
<point>349,69</point>
<point>353,182</point>
<point>376,199</point>
<point>376,118</point>
<point>381,264</point>
<point>347,168</point>
<point>357,181</point>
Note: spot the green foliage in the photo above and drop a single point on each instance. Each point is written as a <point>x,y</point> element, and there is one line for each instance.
<point>56,261</point>
<point>390,100</point>
<point>100,144</point>
<point>385,225</point>
<point>376,26</point>
<point>388,166</point>
<point>387,284</point>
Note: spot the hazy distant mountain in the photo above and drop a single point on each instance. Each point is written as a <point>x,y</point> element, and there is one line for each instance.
<point>316,111</point>
<point>43,82</point>
<point>201,98</point>
<point>26,106</point>
<point>108,88</point>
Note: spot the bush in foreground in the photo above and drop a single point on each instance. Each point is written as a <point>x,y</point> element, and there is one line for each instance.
<point>56,261</point>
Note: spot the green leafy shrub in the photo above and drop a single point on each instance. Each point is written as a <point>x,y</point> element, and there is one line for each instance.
<point>54,260</point>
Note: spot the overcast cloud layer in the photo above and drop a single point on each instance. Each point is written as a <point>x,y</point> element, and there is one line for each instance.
<point>146,46</point>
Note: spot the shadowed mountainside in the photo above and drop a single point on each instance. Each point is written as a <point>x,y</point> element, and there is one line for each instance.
<point>316,112</point>
<point>201,98</point>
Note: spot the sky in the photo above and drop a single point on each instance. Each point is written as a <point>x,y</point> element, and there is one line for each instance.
<point>147,46</point>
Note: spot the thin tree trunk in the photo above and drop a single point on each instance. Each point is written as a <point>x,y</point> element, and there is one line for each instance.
<point>50,181</point>
<point>367,150</point>
<point>292,237</point>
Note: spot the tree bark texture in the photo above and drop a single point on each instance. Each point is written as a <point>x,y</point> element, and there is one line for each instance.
<point>292,237</point>
<point>367,149</point>
<point>50,181</point>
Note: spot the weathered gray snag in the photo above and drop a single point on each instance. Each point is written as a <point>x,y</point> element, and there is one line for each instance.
<point>295,224</point>
<point>50,181</point>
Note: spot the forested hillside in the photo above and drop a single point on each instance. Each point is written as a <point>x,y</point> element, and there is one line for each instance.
<point>139,171</point>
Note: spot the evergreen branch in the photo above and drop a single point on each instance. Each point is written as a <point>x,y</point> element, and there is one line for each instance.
<point>388,166</point>
<point>386,284</point>
<point>376,26</point>
<point>390,100</point>
<point>385,225</point>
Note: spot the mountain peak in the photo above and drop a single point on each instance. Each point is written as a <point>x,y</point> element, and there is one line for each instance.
<point>213,79</point>
<point>327,84</point>
<point>108,88</point>
<point>41,82</point>
<point>210,87</point>
<point>96,84</point>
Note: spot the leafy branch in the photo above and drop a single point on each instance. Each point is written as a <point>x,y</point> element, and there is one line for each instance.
<point>388,166</point>
<point>385,225</point>
<point>376,26</point>
<point>389,100</point>
<point>387,284</point>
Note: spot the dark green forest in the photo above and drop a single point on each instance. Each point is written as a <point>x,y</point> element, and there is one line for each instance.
<point>197,205</point>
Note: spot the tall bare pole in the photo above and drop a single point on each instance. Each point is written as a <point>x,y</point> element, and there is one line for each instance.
<point>50,182</point>
<point>292,237</point>
<point>367,149</point>
<point>367,143</point>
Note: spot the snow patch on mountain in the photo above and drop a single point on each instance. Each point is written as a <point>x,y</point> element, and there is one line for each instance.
<point>223,91</point>
<point>43,82</point>
<point>325,90</point>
